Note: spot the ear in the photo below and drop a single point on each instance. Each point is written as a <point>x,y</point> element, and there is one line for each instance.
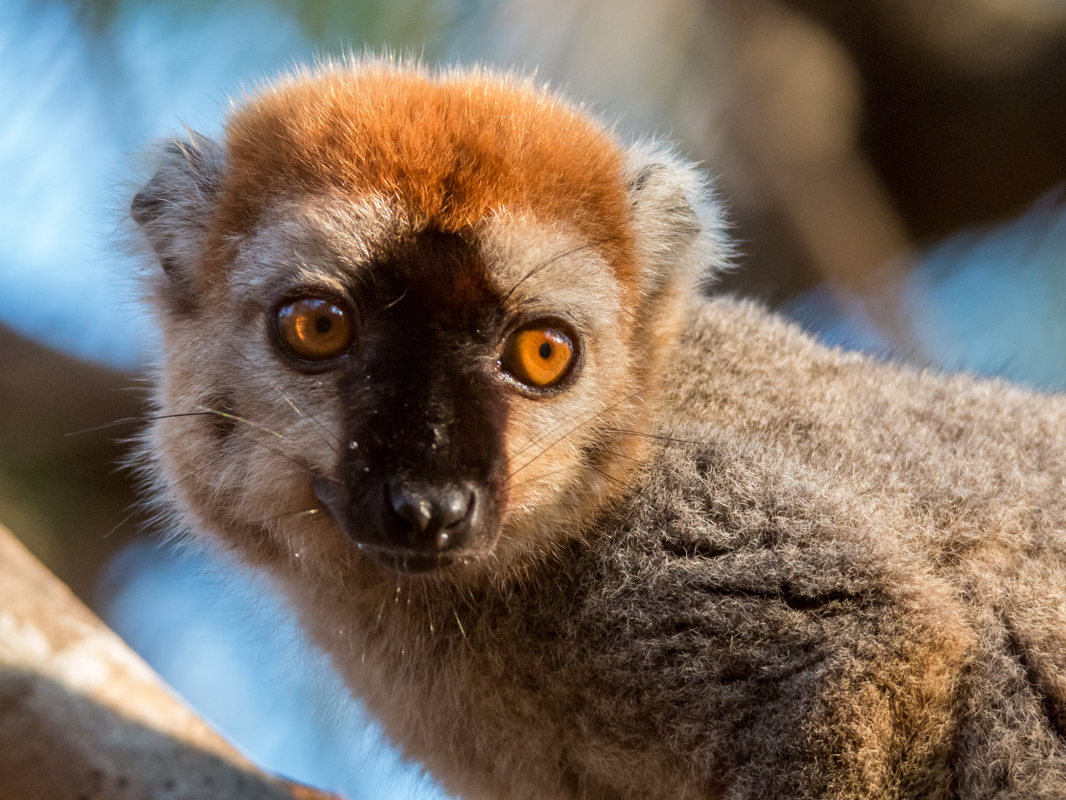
<point>174,208</point>
<point>677,222</point>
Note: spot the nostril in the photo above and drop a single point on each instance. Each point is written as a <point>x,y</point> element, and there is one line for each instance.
<point>413,508</point>
<point>455,506</point>
<point>433,516</point>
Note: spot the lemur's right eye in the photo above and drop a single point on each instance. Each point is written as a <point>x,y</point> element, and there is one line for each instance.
<point>314,328</point>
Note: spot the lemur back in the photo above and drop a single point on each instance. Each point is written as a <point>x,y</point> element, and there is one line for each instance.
<point>436,361</point>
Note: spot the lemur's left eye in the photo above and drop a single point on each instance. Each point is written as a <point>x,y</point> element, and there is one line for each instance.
<point>539,355</point>
<point>314,328</point>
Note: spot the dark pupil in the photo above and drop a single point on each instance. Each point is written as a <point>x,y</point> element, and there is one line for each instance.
<point>545,351</point>
<point>323,324</point>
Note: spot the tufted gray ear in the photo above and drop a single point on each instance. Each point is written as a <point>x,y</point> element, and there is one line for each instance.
<point>677,222</point>
<point>174,207</point>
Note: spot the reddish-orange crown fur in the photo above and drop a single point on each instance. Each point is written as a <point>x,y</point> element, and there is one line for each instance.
<point>450,149</point>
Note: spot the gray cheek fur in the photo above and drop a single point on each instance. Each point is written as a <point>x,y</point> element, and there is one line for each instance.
<point>803,595</point>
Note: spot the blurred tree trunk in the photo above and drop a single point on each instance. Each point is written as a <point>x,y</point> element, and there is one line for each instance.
<point>61,488</point>
<point>82,717</point>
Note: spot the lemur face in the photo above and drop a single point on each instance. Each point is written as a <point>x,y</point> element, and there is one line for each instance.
<point>439,383</point>
<point>419,345</point>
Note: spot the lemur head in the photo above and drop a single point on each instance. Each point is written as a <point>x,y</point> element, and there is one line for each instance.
<point>413,322</point>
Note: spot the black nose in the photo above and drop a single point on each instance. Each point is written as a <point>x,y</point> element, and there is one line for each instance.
<point>431,518</point>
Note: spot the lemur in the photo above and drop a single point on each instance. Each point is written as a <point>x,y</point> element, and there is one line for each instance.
<point>436,361</point>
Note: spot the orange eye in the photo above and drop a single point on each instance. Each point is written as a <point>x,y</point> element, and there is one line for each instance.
<point>314,329</point>
<point>539,356</point>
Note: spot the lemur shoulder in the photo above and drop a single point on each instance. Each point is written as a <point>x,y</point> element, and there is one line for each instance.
<point>435,360</point>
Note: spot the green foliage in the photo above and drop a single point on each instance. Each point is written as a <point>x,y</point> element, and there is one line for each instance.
<point>418,26</point>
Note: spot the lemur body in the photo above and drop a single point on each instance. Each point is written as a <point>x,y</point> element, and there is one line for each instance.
<point>570,530</point>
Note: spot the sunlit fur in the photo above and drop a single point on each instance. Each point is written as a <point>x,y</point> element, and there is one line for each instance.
<point>732,563</point>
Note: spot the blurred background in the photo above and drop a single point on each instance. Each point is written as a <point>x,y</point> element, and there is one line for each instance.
<point>893,171</point>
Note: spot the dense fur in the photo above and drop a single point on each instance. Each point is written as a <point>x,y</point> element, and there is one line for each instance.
<point>730,563</point>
